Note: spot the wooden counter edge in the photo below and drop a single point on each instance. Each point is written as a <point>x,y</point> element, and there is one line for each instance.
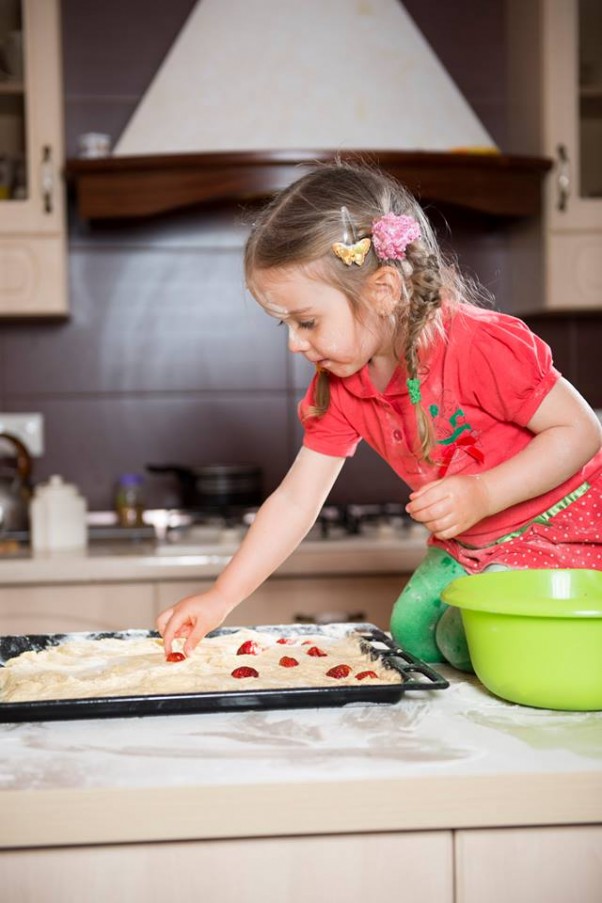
<point>70,817</point>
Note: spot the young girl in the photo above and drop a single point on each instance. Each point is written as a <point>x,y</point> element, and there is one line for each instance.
<point>502,455</point>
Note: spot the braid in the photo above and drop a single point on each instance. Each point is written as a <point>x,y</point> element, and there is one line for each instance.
<point>424,283</point>
<point>321,396</point>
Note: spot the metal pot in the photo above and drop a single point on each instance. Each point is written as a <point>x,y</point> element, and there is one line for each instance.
<point>216,487</point>
<point>15,490</point>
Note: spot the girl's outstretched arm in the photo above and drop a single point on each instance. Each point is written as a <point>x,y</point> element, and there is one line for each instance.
<point>280,525</point>
<point>567,435</point>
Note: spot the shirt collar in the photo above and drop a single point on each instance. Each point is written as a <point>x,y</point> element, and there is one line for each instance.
<point>360,384</point>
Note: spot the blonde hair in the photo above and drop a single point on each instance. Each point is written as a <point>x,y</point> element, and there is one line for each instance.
<point>300,225</point>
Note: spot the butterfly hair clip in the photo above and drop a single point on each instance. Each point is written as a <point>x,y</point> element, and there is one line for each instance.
<point>355,253</point>
<point>350,250</point>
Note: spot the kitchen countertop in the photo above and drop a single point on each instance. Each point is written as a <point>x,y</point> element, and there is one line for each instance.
<point>131,561</point>
<point>438,759</point>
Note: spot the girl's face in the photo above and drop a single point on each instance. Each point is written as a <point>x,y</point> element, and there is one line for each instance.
<point>321,323</point>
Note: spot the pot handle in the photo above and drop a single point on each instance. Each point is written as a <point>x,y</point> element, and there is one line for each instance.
<point>23,456</point>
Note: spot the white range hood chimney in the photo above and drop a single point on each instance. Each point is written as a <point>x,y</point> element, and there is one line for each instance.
<point>249,75</point>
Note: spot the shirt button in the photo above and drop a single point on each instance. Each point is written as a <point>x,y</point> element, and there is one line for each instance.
<point>397,435</point>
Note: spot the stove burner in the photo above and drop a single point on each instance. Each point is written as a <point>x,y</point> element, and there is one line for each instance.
<point>354,518</point>
<point>382,521</point>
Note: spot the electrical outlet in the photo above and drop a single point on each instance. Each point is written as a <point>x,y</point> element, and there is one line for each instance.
<point>29,428</point>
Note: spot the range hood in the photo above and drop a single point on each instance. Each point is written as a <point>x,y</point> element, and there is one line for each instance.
<point>247,75</point>
<point>253,91</point>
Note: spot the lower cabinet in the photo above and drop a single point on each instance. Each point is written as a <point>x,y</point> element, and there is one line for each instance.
<point>523,865</point>
<point>289,600</point>
<point>325,869</point>
<point>526,865</point>
<point>57,608</point>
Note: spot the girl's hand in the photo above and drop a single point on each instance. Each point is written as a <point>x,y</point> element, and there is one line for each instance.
<point>450,506</point>
<point>191,617</point>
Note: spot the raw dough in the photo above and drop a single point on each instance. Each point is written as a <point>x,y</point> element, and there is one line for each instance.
<point>84,668</point>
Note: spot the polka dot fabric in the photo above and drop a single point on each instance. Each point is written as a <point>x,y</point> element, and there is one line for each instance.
<point>571,539</point>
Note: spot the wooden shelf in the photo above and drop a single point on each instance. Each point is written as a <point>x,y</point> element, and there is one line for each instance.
<point>133,187</point>
<point>8,87</point>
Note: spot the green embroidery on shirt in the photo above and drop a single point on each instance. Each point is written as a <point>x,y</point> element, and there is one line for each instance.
<point>460,429</point>
<point>454,435</point>
<point>449,440</point>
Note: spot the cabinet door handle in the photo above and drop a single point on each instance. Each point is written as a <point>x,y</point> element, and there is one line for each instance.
<point>47,178</point>
<point>330,617</point>
<point>564,178</point>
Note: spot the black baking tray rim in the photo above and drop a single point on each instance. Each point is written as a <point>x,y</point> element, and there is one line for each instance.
<point>415,675</point>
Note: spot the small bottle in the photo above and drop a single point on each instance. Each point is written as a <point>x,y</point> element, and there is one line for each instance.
<point>58,517</point>
<point>129,500</point>
<point>5,177</point>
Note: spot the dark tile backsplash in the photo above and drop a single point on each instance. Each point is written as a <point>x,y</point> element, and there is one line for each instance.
<point>102,436</point>
<point>152,319</point>
<point>165,358</point>
<point>576,340</point>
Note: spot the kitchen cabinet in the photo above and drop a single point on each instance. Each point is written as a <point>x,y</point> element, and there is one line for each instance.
<point>292,869</point>
<point>555,63</point>
<point>554,864</point>
<point>59,608</point>
<point>286,600</point>
<point>32,207</point>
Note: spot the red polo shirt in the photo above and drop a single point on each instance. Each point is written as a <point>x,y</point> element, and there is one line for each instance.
<point>480,384</point>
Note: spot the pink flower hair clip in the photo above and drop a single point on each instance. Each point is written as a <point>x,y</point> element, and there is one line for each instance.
<point>391,235</point>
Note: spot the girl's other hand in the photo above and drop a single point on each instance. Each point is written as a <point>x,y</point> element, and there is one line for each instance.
<point>450,506</point>
<point>192,617</point>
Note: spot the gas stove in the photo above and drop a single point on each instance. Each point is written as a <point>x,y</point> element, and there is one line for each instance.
<point>386,521</point>
<point>173,526</point>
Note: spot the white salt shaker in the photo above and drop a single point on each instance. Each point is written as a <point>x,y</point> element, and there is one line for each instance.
<point>58,516</point>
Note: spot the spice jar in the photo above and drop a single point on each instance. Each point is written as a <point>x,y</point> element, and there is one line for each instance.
<point>129,500</point>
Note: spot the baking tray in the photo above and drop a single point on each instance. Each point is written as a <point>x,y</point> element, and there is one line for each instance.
<point>415,675</point>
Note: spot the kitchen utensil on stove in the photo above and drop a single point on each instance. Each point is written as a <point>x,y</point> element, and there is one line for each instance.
<point>535,636</point>
<point>216,487</point>
<point>15,490</point>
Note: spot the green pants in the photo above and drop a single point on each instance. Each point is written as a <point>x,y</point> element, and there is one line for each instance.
<point>424,625</point>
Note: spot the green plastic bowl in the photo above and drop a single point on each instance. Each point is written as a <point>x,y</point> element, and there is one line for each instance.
<point>535,636</point>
